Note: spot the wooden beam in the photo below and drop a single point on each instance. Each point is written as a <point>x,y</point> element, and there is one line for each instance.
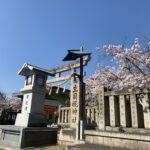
<point>57,79</point>
<point>71,66</point>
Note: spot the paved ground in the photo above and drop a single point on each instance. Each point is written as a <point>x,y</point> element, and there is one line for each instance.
<point>57,147</point>
<point>92,147</point>
<point>77,147</point>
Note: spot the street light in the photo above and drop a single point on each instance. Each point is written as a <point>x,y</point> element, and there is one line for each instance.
<point>73,55</point>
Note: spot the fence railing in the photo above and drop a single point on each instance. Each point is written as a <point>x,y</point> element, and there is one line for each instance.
<point>115,109</point>
<point>91,114</point>
<point>64,115</point>
<point>124,109</point>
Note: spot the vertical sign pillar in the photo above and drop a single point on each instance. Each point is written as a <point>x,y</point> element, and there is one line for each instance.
<point>122,110</point>
<point>74,104</point>
<point>134,116</point>
<point>101,119</point>
<point>112,111</point>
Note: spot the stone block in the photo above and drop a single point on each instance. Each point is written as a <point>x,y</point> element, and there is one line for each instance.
<point>107,141</point>
<point>20,137</point>
<point>120,140</point>
<point>68,135</point>
<point>143,145</point>
<point>30,120</point>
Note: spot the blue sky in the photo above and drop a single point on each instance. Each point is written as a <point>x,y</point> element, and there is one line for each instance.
<point>40,31</point>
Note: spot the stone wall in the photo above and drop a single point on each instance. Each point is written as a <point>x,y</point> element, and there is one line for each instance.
<point>116,139</point>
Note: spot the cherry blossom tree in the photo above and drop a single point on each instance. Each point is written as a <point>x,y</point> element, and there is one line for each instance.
<point>92,85</point>
<point>13,103</point>
<point>130,70</point>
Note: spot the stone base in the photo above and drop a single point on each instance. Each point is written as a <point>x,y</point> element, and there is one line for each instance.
<point>117,139</point>
<point>67,136</point>
<point>20,137</point>
<point>128,130</point>
<point>31,120</point>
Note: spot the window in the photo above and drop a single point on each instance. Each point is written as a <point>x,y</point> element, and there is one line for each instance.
<point>29,80</point>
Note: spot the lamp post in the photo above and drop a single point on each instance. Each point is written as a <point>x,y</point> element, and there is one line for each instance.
<point>73,55</point>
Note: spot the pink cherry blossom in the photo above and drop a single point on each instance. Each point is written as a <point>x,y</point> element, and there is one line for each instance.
<point>131,70</point>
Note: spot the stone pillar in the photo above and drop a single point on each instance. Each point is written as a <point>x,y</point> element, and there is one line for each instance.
<point>77,130</point>
<point>59,114</point>
<point>146,111</point>
<point>93,115</point>
<point>122,111</point>
<point>88,115</point>
<point>134,117</point>
<point>62,117</point>
<point>101,118</point>
<point>65,116</point>
<point>81,130</point>
<point>112,111</point>
<point>69,116</point>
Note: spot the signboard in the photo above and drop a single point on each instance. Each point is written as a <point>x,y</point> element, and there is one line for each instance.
<point>74,104</point>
